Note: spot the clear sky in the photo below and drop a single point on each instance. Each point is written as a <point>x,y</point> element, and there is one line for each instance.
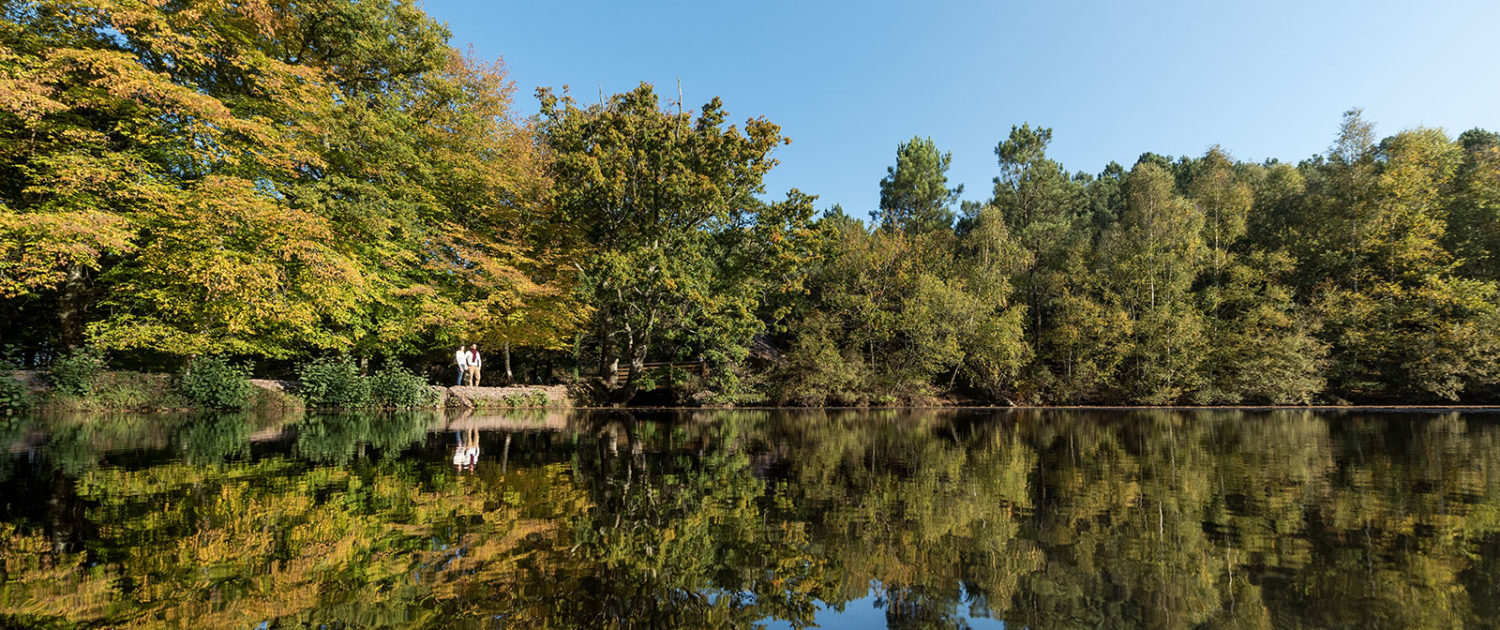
<point>847,81</point>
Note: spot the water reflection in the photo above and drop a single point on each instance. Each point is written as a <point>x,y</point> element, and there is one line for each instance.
<point>732,519</point>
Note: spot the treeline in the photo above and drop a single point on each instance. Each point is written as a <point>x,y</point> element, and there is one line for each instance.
<point>280,181</point>
<point>1364,274</point>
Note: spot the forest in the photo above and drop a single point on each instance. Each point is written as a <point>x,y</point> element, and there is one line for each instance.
<point>277,182</point>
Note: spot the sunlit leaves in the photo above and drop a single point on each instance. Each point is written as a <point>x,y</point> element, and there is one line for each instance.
<point>278,178</point>
<point>660,205</point>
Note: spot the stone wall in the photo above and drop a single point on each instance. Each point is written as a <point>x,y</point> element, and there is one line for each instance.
<point>524,397</point>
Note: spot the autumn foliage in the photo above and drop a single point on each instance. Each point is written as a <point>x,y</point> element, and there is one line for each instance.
<point>266,178</point>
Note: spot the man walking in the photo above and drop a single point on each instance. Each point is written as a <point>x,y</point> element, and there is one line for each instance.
<point>462,359</point>
<point>474,365</point>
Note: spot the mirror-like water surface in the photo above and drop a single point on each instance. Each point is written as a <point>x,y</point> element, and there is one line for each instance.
<point>909,519</point>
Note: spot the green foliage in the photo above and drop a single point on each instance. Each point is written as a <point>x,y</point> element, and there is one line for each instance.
<point>1363,274</point>
<point>271,181</point>
<point>1473,233</point>
<point>532,399</point>
<point>901,310</point>
<point>75,372</point>
<point>914,195</point>
<point>676,248</point>
<point>1263,347</point>
<point>213,382</point>
<point>645,381</point>
<point>123,390</point>
<point>134,390</point>
<point>287,181</point>
<point>14,394</point>
<point>1153,254</point>
<point>394,386</point>
<point>817,372</point>
<point>333,382</point>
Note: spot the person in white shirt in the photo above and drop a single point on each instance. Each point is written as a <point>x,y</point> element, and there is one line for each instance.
<point>466,451</point>
<point>462,359</point>
<point>474,365</point>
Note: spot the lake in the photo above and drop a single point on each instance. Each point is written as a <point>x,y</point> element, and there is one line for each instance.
<point>727,519</point>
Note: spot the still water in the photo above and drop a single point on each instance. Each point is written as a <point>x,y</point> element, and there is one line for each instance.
<point>902,519</point>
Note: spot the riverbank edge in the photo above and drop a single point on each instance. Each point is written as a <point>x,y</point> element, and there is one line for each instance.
<point>973,407</point>
<point>272,394</point>
<point>269,394</point>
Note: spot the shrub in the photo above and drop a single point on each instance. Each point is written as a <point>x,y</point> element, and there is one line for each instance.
<point>333,382</point>
<point>817,371</point>
<point>75,372</point>
<point>646,382</point>
<point>13,392</point>
<point>213,382</point>
<point>396,386</point>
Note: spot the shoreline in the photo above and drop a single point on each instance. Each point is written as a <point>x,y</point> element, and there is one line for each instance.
<point>657,408</point>
<point>1405,408</point>
<point>275,394</point>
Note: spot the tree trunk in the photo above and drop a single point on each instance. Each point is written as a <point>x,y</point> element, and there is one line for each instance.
<point>636,347</point>
<point>610,367</point>
<point>636,351</point>
<point>609,354</point>
<point>71,306</point>
<point>508,376</point>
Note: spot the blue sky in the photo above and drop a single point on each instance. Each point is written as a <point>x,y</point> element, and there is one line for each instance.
<point>848,81</point>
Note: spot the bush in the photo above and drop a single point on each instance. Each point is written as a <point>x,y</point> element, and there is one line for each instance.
<point>646,382</point>
<point>13,392</point>
<point>215,383</point>
<point>333,382</point>
<point>75,372</point>
<point>396,386</point>
<point>817,372</point>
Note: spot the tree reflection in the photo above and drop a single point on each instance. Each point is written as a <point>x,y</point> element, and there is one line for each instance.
<point>1042,519</point>
<point>338,438</point>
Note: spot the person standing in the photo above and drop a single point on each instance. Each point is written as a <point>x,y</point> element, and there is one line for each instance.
<point>462,359</point>
<point>460,457</point>
<point>474,365</point>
